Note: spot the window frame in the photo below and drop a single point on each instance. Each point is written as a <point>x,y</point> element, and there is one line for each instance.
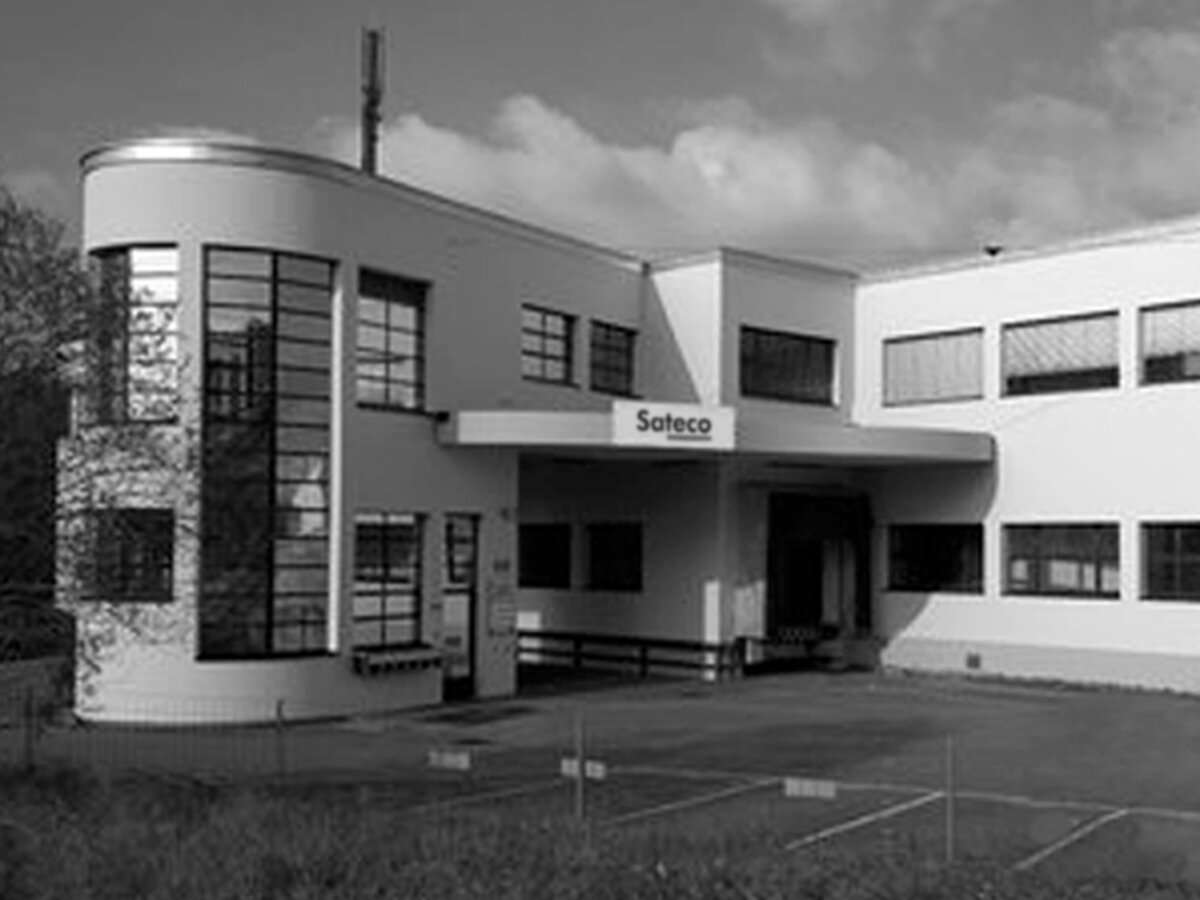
<point>933,336</point>
<point>389,590</point>
<point>120,581</point>
<point>751,387</point>
<point>616,374</point>
<point>540,356</point>
<point>387,358</point>
<point>112,391</point>
<point>1043,557</point>
<point>1144,378</point>
<point>1008,328</point>
<point>1177,560</point>
<point>540,577</point>
<point>609,537</point>
<point>936,534</point>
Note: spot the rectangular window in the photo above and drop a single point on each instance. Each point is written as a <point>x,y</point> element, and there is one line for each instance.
<point>1062,560</point>
<point>1171,342</point>
<point>936,558</point>
<point>390,359</point>
<point>136,339</point>
<point>544,551</point>
<point>134,553</point>
<point>615,556</point>
<point>1171,561</point>
<point>933,368</point>
<point>387,580</point>
<point>547,345</point>
<point>778,366</point>
<point>612,350</point>
<point>1072,354</point>
<point>265,476</point>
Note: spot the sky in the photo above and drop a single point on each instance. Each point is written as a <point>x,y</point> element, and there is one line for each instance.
<point>855,132</point>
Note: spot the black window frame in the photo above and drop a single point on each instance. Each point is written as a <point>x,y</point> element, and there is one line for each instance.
<point>766,373</point>
<point>1107,377</point>
<point>111,390</point>
<point>949,558</point>
<point>392,593</point>
<point>615,556</point>
<point>265,515</point>
<point>544,555</point>
<point>1177,555</point>
<point>612,349</point>
<point>540,356</point>
<point>1091,554</point>
<point>1176,368</point>
<point>394,292</point>
<point>132,555</point>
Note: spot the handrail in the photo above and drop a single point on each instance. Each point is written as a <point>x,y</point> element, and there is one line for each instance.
<point>726,658</point>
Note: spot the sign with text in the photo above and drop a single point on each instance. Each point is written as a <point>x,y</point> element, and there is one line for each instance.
<point>677,425</point>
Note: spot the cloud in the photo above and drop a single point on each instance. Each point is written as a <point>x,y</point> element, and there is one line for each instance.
<point>804,187</point>
<point>40,188</point>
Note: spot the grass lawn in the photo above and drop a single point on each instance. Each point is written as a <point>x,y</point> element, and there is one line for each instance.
<point>691,807</point>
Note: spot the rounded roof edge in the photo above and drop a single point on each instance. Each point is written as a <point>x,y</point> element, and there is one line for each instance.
<point>221,152</point>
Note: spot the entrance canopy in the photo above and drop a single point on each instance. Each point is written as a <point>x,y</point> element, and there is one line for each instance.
<point>653,430</point>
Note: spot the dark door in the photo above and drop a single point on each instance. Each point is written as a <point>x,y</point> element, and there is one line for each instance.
<point>796,603</point>
<point>460,595</point>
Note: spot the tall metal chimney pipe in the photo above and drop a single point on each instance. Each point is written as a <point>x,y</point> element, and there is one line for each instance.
<point>372,90</point>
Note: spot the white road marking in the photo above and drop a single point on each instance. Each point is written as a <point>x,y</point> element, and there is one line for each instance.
<point>863,821</point>
<point>690,802</point>
<point>1076,835</point>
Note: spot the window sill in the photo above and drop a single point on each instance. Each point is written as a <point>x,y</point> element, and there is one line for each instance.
<point>793,401</point>
<point>551,382</point>
<point>1059,595</point>
<point>403,410</point>
<point>380,661</point>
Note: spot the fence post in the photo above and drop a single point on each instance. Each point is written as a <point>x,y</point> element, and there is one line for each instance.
<point>950,837</point>
<point>280,747</point>
<point>580,807</point>
<point>30,716</point>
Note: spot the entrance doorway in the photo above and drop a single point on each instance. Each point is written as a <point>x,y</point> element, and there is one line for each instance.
<point>460,594</point>
<point>818,576</point>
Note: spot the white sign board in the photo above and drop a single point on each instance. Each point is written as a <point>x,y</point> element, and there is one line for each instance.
<point>593,770</point>
<point>813,788</point>
<point>677,425</point>
<point>455,760</point>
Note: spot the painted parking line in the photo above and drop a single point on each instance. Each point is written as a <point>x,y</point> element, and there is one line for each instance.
<point>691,802</point>
<point>1076,835</point>
<point>486,796</point>
<point>863,821</point>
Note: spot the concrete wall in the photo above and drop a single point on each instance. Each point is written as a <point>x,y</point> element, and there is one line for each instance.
<point>1121,455</point>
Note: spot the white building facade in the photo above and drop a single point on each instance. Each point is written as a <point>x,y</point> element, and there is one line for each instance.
<point>353,447</point>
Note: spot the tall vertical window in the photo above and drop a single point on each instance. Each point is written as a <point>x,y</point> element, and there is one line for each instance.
<point>390,362</point>
<point>1171,561</point>
<point>1062,560</point>
<point>936,558</point>
<point>932,368</point>
<point>387,580</point>
<point>265,470</point>
<point>615,556</point>
<point>137,337</point>
<point>1071,354</point>
<point>612,355</point>
<point>1171,342</point>
<point>776,365</point>
<point>547,345</point>
<point>133,552</point>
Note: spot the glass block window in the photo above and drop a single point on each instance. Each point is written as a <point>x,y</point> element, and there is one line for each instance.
<point>1073,354</point>
<point>544,551</point>
<point>1171,342</point>
<point>936,558</point>
<point>1171,561</point>
<point>776,365</point>
<point>547,345</point>
<point>612,355</point>
<point>615,556</point>
<point>932,368</point>
<point>1062,560</point>
<point>136,341</point>
<point>387,580</point>
<point>133,555</point>
<point>390,358</point>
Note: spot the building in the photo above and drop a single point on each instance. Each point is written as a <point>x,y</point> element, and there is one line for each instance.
<point>351,442</point>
